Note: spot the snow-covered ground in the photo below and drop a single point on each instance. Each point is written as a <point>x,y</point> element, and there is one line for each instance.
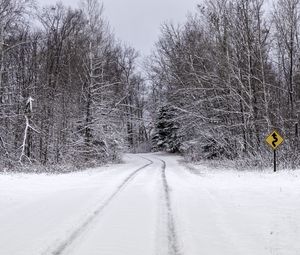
<point>151,204</point>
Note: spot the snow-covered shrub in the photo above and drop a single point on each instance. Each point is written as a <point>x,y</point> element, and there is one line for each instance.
<point>206,148</point>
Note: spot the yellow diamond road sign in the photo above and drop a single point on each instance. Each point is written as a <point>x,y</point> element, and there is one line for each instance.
<point>274,140</point>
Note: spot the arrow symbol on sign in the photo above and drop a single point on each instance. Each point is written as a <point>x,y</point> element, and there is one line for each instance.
<point>275,139</point>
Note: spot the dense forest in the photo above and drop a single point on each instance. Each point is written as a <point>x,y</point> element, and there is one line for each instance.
<point>214,87</point>
<point>228,77</point>
<point>69,92</point>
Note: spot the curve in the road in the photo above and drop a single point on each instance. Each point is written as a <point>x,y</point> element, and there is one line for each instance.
<point>172,236</point>
<point>66,243</point>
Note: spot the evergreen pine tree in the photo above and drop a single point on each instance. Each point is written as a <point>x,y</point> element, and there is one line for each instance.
<point>166,130</point>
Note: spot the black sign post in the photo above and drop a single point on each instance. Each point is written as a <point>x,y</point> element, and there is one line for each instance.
<point>275,160</point>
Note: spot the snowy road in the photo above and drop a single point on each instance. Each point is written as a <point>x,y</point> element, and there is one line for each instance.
<point>151,204</point>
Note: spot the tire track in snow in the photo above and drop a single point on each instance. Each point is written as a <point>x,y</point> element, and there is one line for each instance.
<point>173,246</point>
<point>72,237</point>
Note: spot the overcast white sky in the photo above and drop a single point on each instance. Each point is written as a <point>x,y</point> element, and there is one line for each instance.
<point>137,22</point>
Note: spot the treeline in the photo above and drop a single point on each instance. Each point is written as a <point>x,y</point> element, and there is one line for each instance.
<point>228,77</point>
<point>69,92</point>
